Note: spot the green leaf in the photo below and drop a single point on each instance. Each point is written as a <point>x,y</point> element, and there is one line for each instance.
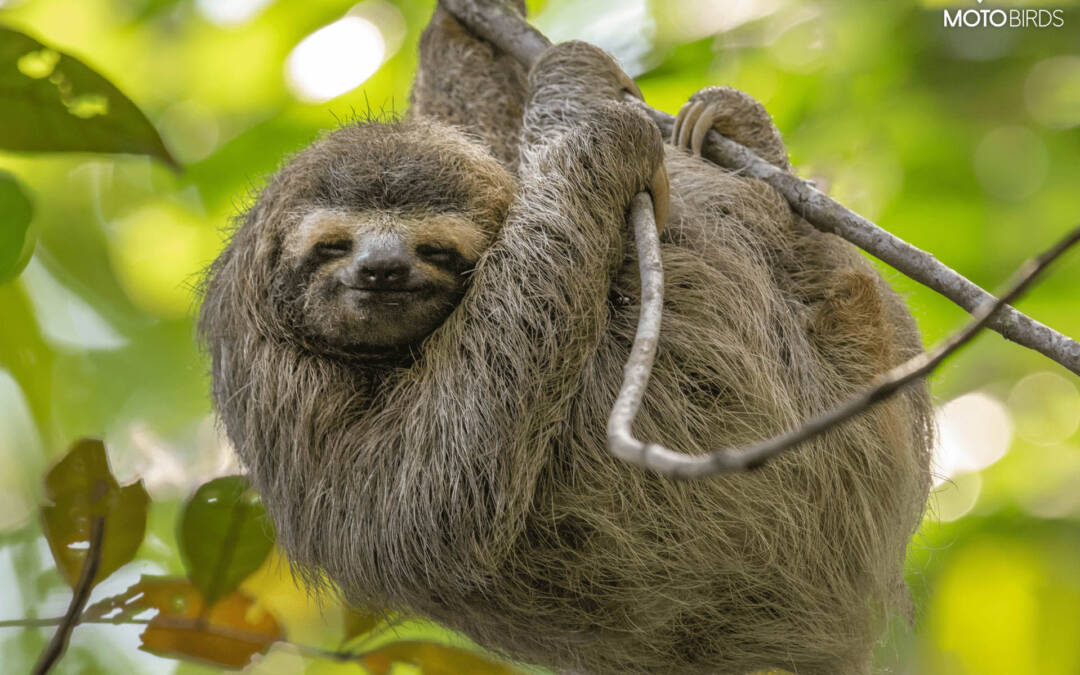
<point>225,535</point>
<point>79,488</point>
<point>52,102</point>
<point>16,211</point>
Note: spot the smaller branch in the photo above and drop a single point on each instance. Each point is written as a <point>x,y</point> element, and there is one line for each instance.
<point>35,623</point>
<point>199,626</point>
<point>81,593</point>
<point>84,619</point>
<point>727,460</point>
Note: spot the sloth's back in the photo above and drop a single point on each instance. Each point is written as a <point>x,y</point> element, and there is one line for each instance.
<point>766,321</point>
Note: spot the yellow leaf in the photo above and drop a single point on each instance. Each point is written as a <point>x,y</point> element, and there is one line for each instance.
<point>227,634</point>
<point>359,621</point>
<point>432,659</point>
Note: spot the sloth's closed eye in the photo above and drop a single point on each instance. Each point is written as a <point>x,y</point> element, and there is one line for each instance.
<point>436,254</point>
<point>333,248</point>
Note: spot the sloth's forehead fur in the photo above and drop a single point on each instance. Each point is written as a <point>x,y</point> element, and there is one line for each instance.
<point>406,168</point>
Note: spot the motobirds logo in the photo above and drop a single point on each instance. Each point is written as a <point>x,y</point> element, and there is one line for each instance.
<point>999,17</point>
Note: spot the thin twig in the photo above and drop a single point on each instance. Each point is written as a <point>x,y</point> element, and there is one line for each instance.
<point>80,594</point>
<point>503,26</point>
<point>197,625</point>
<point>680,465</point>
<point>34,623</point>
<point>57,620</point>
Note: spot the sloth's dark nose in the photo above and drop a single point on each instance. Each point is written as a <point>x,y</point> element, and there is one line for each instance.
<point>382,266</point>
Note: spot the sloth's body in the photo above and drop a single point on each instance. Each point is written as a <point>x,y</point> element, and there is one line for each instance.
<point>460,471</point>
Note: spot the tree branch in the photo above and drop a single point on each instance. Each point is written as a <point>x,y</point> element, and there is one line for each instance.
<point>503,26</point>
<point>727,460</point>
<point>828,215</point>
<point>80,594</point>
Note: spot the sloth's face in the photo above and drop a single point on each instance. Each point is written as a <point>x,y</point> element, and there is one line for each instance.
<point>377,280</point>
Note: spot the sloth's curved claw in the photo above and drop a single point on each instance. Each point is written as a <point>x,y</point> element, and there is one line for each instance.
<point>702,127</point>
<point>627,83</point>
<point>693,123</point>
<point>674,139</point>
<point>660,189</point>
<point>684,123</point>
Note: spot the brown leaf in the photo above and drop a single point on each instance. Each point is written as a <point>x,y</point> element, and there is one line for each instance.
<point>433,659</point>
<point>227,634</point>
<point>77,489</point>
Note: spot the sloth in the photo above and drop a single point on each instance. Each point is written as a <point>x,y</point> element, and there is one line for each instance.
<point>418,328</point>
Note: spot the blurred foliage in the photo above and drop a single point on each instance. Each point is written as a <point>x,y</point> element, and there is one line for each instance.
<point>962,141</point>
<point>78,489</point>
<point>15,215</point>
<point>186,623</point>
<point>223,536</point>
<point>52,102</point>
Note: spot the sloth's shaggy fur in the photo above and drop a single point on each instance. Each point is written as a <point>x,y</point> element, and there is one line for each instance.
<point>471,484</point>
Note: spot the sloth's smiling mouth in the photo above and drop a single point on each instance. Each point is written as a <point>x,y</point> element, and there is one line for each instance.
<point>388,296</point>
<point>382,293</point>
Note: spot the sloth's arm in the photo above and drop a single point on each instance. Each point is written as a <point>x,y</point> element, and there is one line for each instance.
<point>567,83</point>
<point>537,304</point>
<point>471,84</point>
<point>507,362</point>
<point>539,295</point>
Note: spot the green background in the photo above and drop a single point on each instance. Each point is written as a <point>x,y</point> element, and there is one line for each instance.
<point>964,142</point>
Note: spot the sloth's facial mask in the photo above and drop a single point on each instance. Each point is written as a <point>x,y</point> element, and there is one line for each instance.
<point>377,280</point>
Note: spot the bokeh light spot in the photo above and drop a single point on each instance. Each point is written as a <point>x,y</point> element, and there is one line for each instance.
<point>694,19</point>
<point>88,105</point>
<point>66,319</point>
<point>169,466</point>
<point>159,253</point>
<point>623,28</point>
<point>1045,407</point>
<point>802,48</point>
<point>335,59</point>
<point>979,44</point>
<point>1011,163</point>
<point>1006,605</point>
<point>985,610</point>
<point>38,65</point>
<point>1052,92</point>
<point>955,498</point>
<point>391,23</point>
<point>190,129</point>
<point>1055,480</point>
<point>867,185</point>
<point>230,12</point>
<point>20,457</point>
<point>974,431</point>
